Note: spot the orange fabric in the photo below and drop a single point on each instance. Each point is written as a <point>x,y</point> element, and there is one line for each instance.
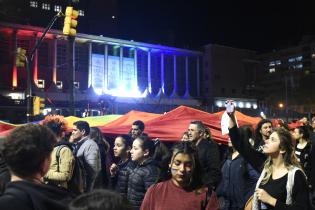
<point>170,126</point>
<point>132,116</point>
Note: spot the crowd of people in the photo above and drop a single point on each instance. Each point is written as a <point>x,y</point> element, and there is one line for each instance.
<point>42,166</point>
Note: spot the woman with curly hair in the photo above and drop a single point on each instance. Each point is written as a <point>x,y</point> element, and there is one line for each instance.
<point>62,158</point>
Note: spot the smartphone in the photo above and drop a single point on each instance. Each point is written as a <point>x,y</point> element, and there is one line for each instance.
<point>230,106</point>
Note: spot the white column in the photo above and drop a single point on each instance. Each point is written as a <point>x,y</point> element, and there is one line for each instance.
<point>121,50</point>
<point>136,68</point>
<point>105,67</point>
<point>90,65</point>
<point>162,73</point>
<point>174,94</point>
<point>186,74</point>
<point>149,72</point>
<point>54,67</point>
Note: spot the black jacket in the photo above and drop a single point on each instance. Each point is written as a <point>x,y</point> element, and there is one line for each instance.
<point>24,195</point>
<point>209,158</point>
<point>141,178</point>
<point>238,182</point>
<point>5,175</point>
<point>119,183</point>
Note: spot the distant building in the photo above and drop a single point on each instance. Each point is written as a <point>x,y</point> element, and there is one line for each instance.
<point>230,73</point>
<point>289,77</point>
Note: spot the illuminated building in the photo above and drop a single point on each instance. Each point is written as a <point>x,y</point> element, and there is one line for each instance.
<point>125,74</point>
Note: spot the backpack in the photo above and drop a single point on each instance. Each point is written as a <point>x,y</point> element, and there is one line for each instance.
<point>77,183</point>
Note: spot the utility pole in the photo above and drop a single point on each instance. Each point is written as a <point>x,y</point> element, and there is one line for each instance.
<point>71,67</point>
<point>29,59</point>
<point>69,29</point>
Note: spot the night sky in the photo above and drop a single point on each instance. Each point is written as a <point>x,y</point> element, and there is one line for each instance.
<point>260,26</point>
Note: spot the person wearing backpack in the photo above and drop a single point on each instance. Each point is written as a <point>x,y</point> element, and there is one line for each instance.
<point>87,150</point>
<point>62,159</point>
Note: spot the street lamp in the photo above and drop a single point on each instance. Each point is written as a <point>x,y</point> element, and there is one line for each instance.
<point>280,105</point>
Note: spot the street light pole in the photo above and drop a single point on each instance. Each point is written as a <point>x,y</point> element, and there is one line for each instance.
<point>28,59</point>
<point>28,92</point>
<point>71,67</point>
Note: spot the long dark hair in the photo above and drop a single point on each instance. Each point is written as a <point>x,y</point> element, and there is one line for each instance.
<point>97,136</point>
<point>185,147</point>
<point>157,150</point>
<point>258,137</point>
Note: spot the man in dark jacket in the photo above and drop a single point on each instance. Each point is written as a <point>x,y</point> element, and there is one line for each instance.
<point>27,153</point>
<point>208,154</point>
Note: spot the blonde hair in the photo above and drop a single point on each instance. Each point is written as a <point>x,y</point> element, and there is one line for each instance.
<point>289,157</point>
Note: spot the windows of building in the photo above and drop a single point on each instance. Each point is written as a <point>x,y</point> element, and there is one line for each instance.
<point>295,59</point>
<point>81,13</point>
<point>34,4</point>
<point>272,70</point>
<point>57,8</point>
<point>275,63</point>
<point>299,66</point>
<point>45,6</point>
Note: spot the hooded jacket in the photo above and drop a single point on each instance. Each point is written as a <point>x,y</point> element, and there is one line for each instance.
<point>26,195</point>
<point>141,178</point>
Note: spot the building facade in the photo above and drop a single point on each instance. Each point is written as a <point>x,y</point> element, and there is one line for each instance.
<point>117,74</point>
<point>230,73</point>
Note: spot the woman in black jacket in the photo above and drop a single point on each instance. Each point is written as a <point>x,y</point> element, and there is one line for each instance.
<point>146,172</point>
<point>120,172</point>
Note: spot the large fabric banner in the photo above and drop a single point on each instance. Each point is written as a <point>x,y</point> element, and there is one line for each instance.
<point>113,72</point>
<point>98,72</point>
<point>129,75</point>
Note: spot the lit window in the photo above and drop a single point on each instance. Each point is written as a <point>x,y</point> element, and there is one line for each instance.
<point>45,6</point>
<point>33,4</point>
<point>278,62</point>
<point>272,63</point>
<point>299,58</point>
<point>81,13</point>
<point>299,66</point>
<point>57,8</point>
<point>272,70</point>
<point>291,60</point>
<point>313,55</point>
<point>294,59</point>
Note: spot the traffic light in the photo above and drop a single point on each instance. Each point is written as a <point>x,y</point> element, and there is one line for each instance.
<point>20,58</point>
<point>38,105</point>
<point>70,22</point>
